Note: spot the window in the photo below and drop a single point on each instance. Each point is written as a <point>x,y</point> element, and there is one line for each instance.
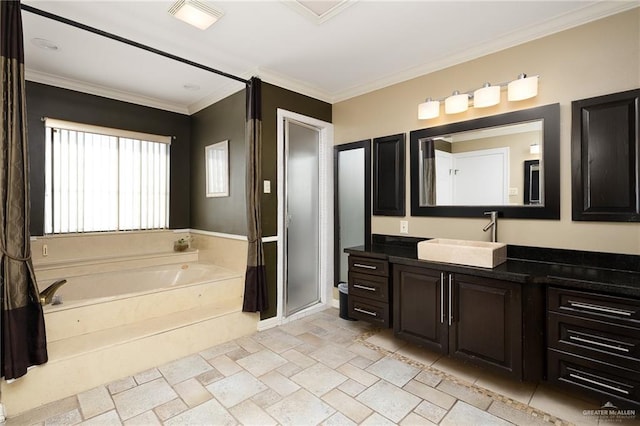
<point>101,179</point>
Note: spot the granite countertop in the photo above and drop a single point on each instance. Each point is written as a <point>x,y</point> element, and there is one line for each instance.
<point>607,277</point>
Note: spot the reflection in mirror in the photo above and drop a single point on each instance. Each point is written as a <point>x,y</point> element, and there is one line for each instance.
<point>480,167</point>
<point>507,162</point>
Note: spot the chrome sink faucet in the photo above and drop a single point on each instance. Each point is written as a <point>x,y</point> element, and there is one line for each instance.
<point>493,225</point>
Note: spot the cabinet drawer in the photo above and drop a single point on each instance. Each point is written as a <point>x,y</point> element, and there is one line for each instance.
<point>615,310</point>
<point>369,286</point>
<point>369,265</point>
<point>369,310</point>
<point>599,340</point>
<point>601,380</point>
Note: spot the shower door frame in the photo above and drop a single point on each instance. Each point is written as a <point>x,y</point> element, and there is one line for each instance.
<point>325,188</point>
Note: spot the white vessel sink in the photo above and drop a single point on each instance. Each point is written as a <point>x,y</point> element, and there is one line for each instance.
<point>463,252</point>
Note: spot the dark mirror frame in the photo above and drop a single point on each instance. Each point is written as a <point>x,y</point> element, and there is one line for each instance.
<point>550,114</point>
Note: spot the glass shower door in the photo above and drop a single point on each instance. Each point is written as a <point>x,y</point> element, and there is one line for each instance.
<point>302,286</point>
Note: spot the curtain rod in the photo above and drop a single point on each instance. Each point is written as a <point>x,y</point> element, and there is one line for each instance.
<point>129,42</point>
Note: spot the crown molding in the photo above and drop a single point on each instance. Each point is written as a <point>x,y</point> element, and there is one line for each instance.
<point>217,95</point>
<point>106,92</point>
<point>294,85</point>
<point>588,13</point>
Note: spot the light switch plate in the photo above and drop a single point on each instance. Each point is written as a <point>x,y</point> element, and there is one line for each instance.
<point>404,227</point>
<point>267,186</point>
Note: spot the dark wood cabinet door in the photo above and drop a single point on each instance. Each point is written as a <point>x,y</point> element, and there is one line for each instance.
<point>418,307</point>
<point>605,158</point>
<point>487,323</point>
<point>389,175</point>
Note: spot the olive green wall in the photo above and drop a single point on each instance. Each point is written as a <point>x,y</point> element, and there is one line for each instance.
<point>273,98</point>
<point>224,120</point>
<point>63,104</point>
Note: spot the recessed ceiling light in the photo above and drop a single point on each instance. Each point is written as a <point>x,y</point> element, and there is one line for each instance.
<point>44,44</point>
<point>195,13</point>
<point>190,86</point>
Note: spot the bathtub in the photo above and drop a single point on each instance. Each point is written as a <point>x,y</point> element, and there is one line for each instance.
<point>104,286</point>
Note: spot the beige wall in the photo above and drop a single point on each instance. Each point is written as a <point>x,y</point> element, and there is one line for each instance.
<point>594,59</point>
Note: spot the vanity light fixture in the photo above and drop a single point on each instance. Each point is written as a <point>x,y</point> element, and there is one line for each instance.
<point>195,13</point>
<point>488,95</point>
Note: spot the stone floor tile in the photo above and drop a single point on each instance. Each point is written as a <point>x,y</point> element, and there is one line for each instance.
<point>377,420</point>
<point>361,362</point>
<point>318,379</point>
<point>121,385</point>
<point>338,419</point>
<point>238,354</point>
<point>300,408</point>
<point>261,362</point>
<point>72,417</point>
<point>170,409</point>
<point>142,398</point>
<point>249,413</point>
<point>421,355</point>
<point>184,368</point>
<point>266,398</point>
<point>110,418</point>
<point>348,406</point>
<point>234,389</point>
<point>351,387</point>
<point>465,394</point>
<point>414,419</point>
<point>389,400</point>
<point>221,349</point>
<point>279,383</point>
<point>428,378</point>
<point>289,369</point>
<point>332,356</point>
<point>459,370</point>
<point>203,415</point>
<point>249,344</point>
<point>430,411</point>
<point>312,342</point>
<point>40,414</point>
<point>511,414</point>
<point>225,365</point>
<point>465,414</point>
<point>564,405</point>
<point>358,374</point>
<point>516,390</point>
<point>393,371</point>
<point>95,401</point>
<point>298,358</point>
<point>209,377</point>
<point>148,418</point>
<point>387,341</point>
<point>430,394</point>
<point>278,341</point>
<point>192,392</point>
<point>363,351</point>
<point>147,376</point>
<point>298,327</point>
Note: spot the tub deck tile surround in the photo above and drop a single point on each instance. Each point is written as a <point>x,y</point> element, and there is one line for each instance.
<point>192,390</point>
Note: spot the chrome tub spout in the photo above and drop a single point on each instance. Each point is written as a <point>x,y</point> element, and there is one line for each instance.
<point>46,295</point>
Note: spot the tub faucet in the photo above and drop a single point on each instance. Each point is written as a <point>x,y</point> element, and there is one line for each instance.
<point>493,225</point>
<point>46,295</point>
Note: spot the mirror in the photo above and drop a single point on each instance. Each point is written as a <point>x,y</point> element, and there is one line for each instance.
<point>217,169</point>
<point>507,163</point>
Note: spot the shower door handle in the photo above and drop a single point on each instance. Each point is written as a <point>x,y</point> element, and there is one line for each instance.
<point>287,221</point>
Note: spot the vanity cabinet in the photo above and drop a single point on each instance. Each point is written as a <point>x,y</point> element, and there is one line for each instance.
<point>369,290</point>
<point>474,319</point>
<point>593,344</point>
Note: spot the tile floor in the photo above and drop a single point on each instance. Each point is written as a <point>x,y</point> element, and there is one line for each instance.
<point>316,370</point>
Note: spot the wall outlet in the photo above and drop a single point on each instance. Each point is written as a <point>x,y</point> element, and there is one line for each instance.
<point>404,227</point>
<point>513,191</point>
<point>267,186</point>
<point>45,250</point>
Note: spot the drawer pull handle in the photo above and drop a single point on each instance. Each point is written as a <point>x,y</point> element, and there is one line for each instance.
<point>364,311</point>
<point>599,308</point>
<point>441,297</point>
<point>597,383</point>
<point>593,342</point>
<point>364,287</point>
<point>360,265</point>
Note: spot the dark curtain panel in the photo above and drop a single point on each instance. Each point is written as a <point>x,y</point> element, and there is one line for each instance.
<point>23,333</point>
<point>428,184</point>
<point>255,285</point>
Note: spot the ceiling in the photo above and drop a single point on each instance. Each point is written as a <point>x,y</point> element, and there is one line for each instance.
<point>353,48</point>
